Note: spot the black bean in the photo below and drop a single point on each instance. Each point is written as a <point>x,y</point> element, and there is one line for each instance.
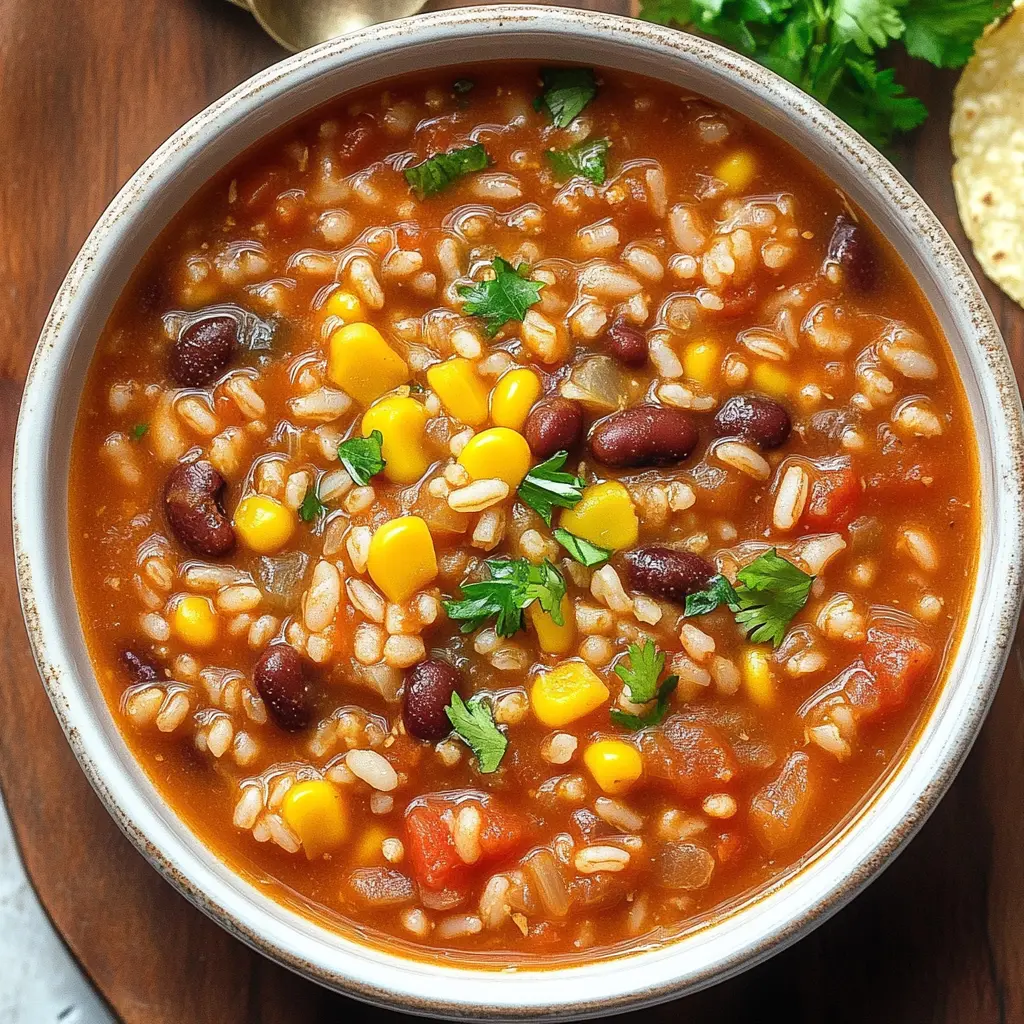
<point>626,343</point>
<point>281,680</point>
<point>140,667</point>
<point>646,435</point>
<point>203,350</point>
<point>851,248</point>
<point>754,418</point>
<point>667,572</point>
<point>193,503</point>
<point>554,424</point>
<point>428,691</point>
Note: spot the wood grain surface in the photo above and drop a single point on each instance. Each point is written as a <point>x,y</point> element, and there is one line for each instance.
<point>88,88</point>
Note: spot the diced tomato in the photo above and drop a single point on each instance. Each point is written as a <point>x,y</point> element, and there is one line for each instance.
<point>502,831</point>
<point>432,855</point>
<point>832,502</point>
<point>779,810</point>
<point>694,759</point>
<point>729,847</point>
<point>900,481</point>
<point>897,659</point>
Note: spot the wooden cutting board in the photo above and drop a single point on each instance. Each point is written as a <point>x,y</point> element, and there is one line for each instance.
<point>88,90</point>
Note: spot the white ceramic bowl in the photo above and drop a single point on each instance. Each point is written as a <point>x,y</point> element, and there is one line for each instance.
<point>808,894</point>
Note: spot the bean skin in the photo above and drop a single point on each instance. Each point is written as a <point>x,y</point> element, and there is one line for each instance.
<point>626,343</point>
<point>193,503</point>
<point>646,435</point>
<point>139,667</point>
<point>754,418</point>
<point>668,573</point>
<point>428,691</point>
<point>851,248</point>
<point>280,678</point>
<point>553,425</point>
<point>203,350</point>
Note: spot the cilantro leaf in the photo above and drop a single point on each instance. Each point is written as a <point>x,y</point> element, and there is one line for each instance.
<point>641,679</point>
<point>545,486</point>
<point>582,550</point>
<point>439,171</point>
<point>506,298</point>
<point>704,601</point>
<point>866,23</point>
<point>944,33</point>
<point>474,722</point>
<point>653,715</point>
<point>311,506</point>
<point>514,585</point>
<point>586,159</point>
<point>566,92</point>
<point>139,431</point>
<point>361,456</point>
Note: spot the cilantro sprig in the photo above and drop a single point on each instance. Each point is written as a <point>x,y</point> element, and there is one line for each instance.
<point>768,593</point>
<point>830,48</point>
<point>312,507</point>
<point>514,585</point>
<point>585,159</point>
<point>439,171</point>
<point>474,722</point>
<point>641,677</point>
<point>507,297</point>
<point>566,92</point>
<point>582,550</point>
<point>361,456</point>
<point>546,486</point>
<point>139,431</point>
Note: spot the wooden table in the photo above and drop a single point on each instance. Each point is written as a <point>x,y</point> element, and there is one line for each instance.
<point>88,88</point>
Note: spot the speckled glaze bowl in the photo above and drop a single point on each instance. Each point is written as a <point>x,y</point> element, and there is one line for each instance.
<point>726,943</point>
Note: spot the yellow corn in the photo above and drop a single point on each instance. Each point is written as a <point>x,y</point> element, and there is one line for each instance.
<point>757,676</point>
<point>552,638</point>
<point>363,364</point>
<point>567,692</point>
<point>315,812</point>
<point>771,379</point>
<point>368,851</point>
<point>462,392</point>
<point>402,422</point>
<point>497,453</point>
<point>263,524</point>
<point>737,170</point>
<point>194,621</point>
<point>614,764</point>
<point>605,516</point>
<point>401,559</point>
<point>513,397</point>
<point>701,360</point>
<point>344,307</point>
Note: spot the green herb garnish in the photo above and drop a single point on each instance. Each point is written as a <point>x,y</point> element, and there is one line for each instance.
<point>474,722</point>
<point>462,85</point>
<point>641,678</point>
<point>139,431</point>
<point>830,47</point>
<point>586,159</point>
<point>545,486</point>
<point>768,593</point>
<point>506,298</point>
<point>439,171</point>
<point>582,550</point>
<point>513,586</point>
<point>311,507</point>
<point>566,92</point>
<point>361,456</point>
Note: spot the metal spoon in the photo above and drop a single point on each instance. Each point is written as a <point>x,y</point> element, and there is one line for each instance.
<point>299,24</point>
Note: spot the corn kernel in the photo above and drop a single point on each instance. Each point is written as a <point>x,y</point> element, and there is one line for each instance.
<point>462,392</point>
<point>263,524</point>
<point>194,621</point>
<point>615,765</point>
<point>497,453</point>
<point>757,676</point>
<point>401,559</point>
<point>402,423</point>
<point>567,692</point>
<point>605,516</point>
<point>737,170</point>
<point>344,306</point>
<point>552,638</point>
<point>513,397</point>
<point>769,378</point>
<point>701,361</point>
<point>315,812</point>
<point>368,851</point>
<point>363,364</point>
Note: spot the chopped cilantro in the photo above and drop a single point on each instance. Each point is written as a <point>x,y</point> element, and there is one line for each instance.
<point>139,431</point>
<point>311,506</point>
<point>704,601</point>
<point>582,550</point>
<point>439,171</point>
<point>545,486</point>
<point>474,722</point>
<point>641,678</point>
<point>566,92</point>
<point>361,456</point>
<point>586,159</point>
<point>505,298</point>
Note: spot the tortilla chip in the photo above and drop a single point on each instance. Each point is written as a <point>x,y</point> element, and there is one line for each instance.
<point>987,132</point>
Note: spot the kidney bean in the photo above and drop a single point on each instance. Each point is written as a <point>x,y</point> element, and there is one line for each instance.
<point>554,425</point>
<point>428,691</point>
<point>203,350</point>
<point>192,501</point>
<point>140,667</point>
<point>281,681</point>
<point>626,343</point>
<point>851,248</point>
<point>646,435</point>
<point>668,573</point>
<point>755,418</point>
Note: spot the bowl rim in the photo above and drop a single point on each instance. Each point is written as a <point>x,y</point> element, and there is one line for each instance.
<point>782,912</point>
